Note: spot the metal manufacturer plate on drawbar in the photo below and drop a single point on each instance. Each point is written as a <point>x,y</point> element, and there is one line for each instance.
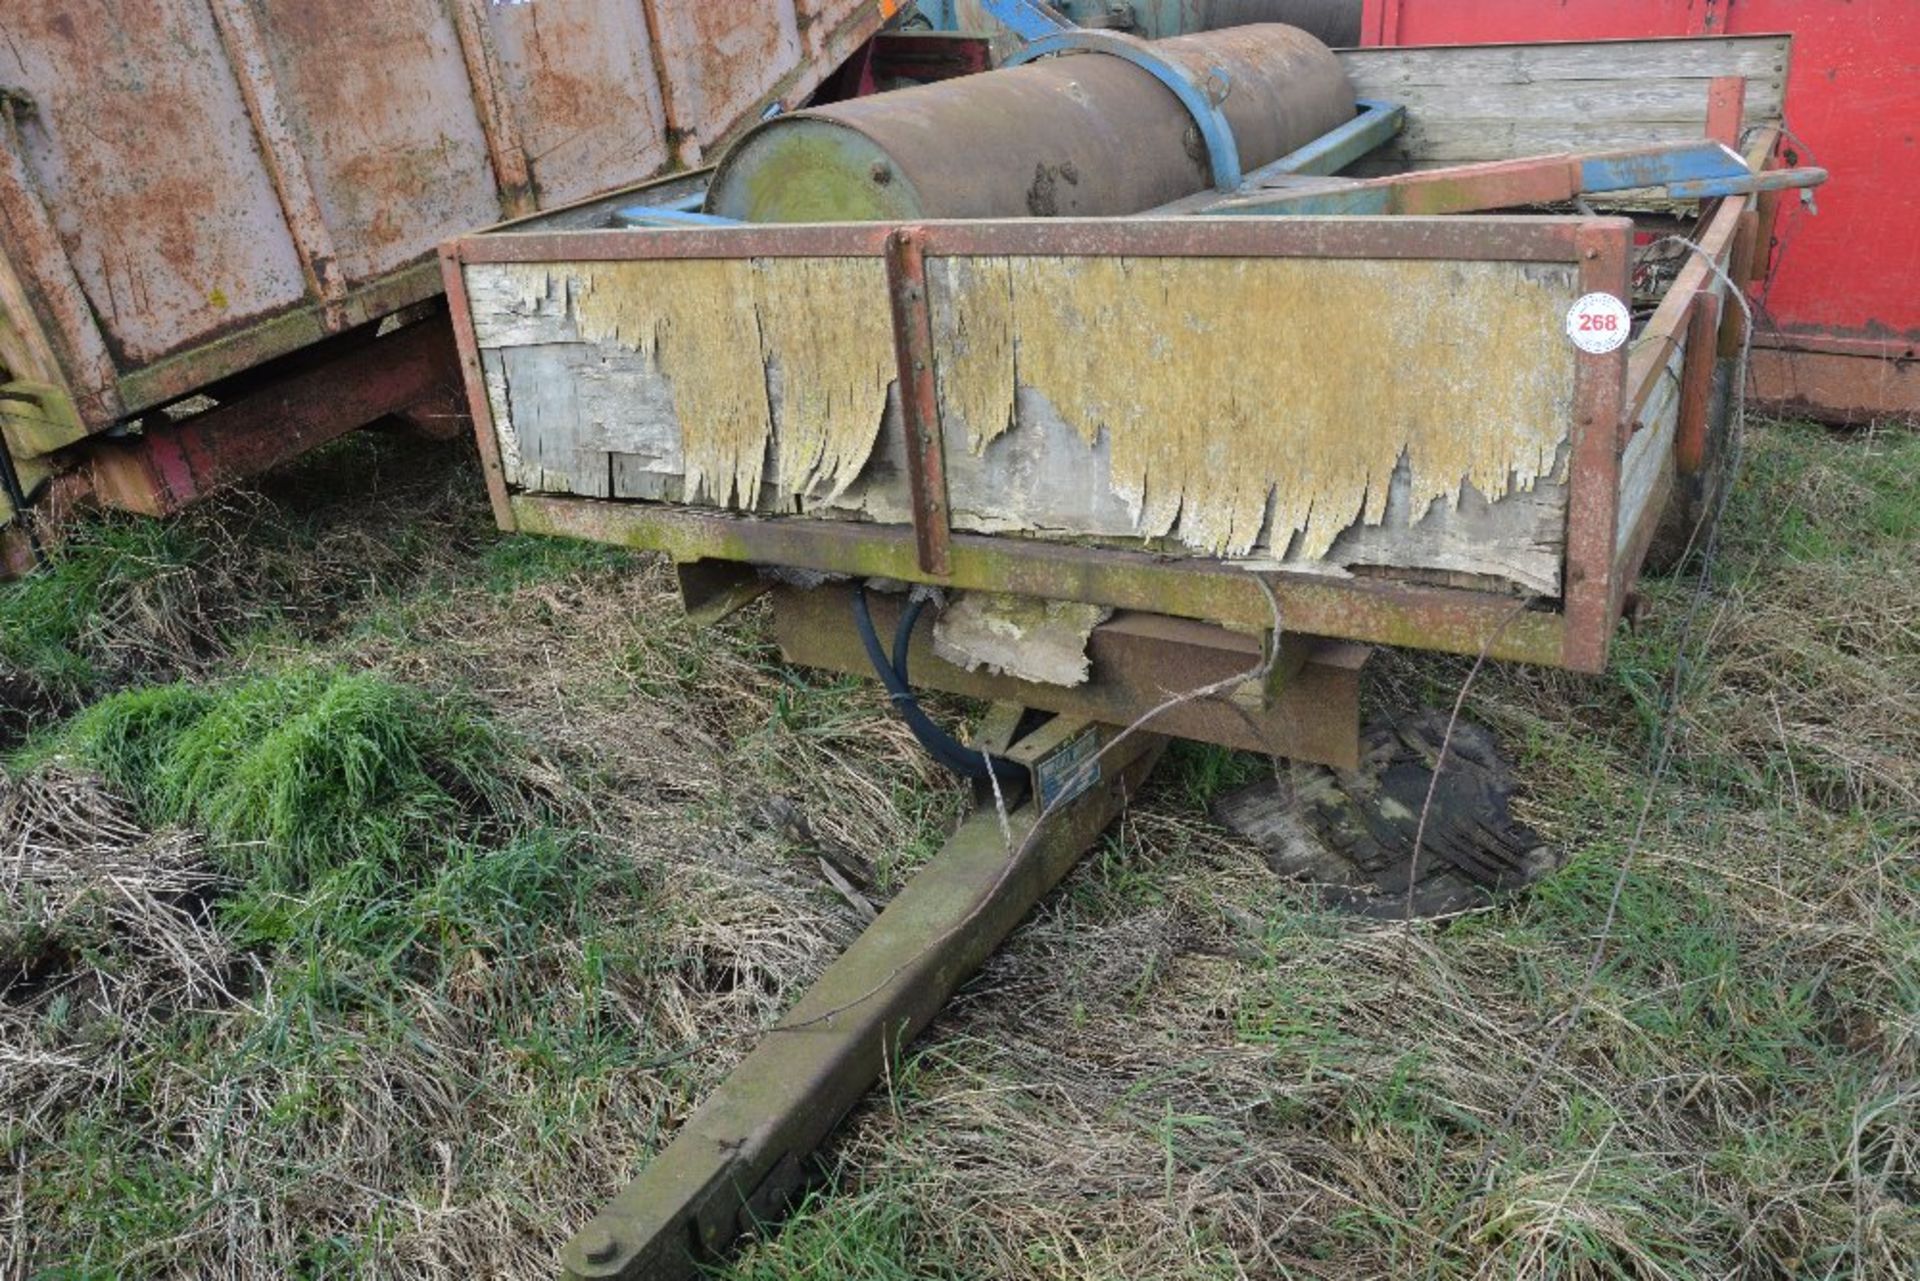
<point>1069,769</point>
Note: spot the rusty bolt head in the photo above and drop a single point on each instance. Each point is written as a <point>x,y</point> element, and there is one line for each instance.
<point>597,1243</point>
<point>882,172</point>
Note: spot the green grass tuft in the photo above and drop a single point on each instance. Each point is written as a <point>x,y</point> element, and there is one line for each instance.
<point>873,1234</point>
<point>48,618</point>
<point>297,774</point>
<point>519,560</point>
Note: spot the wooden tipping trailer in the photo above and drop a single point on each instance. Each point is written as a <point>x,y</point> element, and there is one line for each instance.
<point>1383,417</point>
<point>1385,426</point>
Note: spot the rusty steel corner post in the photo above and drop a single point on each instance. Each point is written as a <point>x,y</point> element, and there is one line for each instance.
<point>1696,382</point>
<point>919,398</point>
<point>739,1159</point>
<point>1601,249</point>
<point>467,346</point>
<point>1726,104</point>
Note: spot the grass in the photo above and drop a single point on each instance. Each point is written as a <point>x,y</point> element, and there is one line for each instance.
<point>294,773</point>
<point>57,627</point>
<point>377,870</point>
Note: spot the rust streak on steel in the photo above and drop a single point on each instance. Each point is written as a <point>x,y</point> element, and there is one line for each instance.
<point>919,399</point>
<point>1514,239</point>
<point>286,168</point>
<point>1696,382</point>
<point>33,246</point>
<point>1508,238</point>
<point>1456,620</point>
<point>453,276</point>
<point>1726,102</point>
<point>505,152</point>
<point>1593,498</point>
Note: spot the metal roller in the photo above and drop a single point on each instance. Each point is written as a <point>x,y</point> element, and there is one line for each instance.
<point>1081,135</point>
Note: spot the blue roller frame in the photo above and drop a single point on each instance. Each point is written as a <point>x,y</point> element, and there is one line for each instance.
<point>1223,153</point>
<point>1373,125</point>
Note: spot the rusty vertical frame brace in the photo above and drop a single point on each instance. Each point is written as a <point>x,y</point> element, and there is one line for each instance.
<point>1600,432</point>
<point>505,151</point>
<point>1726,103</point>
<point>57,304</point>
<point>741,1156</point>
<point>1696,381</point>
<point>246,48</point>
<point>1740,260</point>
<point>453,276</point>
<point>919,398</point>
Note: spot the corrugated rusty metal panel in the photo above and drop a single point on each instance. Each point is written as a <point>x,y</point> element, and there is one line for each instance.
<point>139,150</point>
<point>193,187</point>
<point>582,85</point>
<point>720,60</point>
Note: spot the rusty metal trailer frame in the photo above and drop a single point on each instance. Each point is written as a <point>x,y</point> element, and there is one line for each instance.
<point>1458,620</point>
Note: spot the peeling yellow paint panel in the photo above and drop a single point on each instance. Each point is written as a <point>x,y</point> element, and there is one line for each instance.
<point>722,331</point>
<point>1238,406</point>
<point>1226,386</point>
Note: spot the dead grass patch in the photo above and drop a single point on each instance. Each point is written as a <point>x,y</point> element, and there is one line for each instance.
<point>1181,1067</point>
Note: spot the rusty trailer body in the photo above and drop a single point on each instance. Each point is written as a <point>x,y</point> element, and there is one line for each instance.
<point>1404,345</point>
<point>1238,448</point>
<point>190,189</point>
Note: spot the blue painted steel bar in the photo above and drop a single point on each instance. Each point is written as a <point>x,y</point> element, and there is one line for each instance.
<point>670,216</point>
<point>1028,19</point>
<point>1740,185</point>
<point>1688,170</point>
<point>1626,169</point>
<point>1375,124</point>
<point>1223,152</point>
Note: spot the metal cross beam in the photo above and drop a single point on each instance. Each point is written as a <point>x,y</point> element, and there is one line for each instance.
<point>1690,169</point>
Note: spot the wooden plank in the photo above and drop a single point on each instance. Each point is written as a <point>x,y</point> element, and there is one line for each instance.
<point>1499,102</point>
<point>1601,100</point>
<point>1462,480</point>
<point>1374,70</point>
<point>1649,453</point>
<point>560,452</point>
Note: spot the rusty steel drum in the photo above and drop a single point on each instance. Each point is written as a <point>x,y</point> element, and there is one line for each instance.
<point>1086,135</point>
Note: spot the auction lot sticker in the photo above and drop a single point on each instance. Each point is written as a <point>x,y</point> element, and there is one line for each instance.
<point>1598,323</point>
